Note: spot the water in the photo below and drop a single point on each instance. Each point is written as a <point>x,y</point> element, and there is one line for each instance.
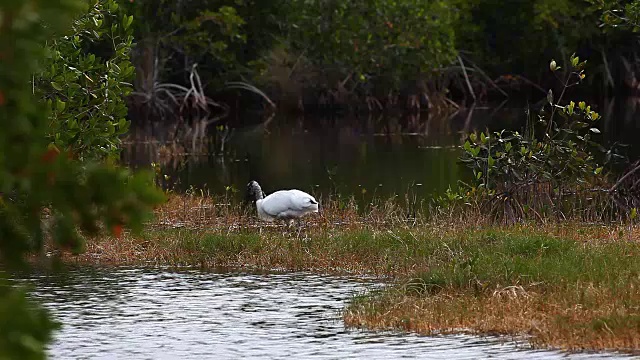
<point>351,159</point>
<point>189,314</point>
<point>363,157</point>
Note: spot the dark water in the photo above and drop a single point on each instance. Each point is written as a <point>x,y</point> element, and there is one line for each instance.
<point>363,157</point>
<point>341,159</point>
<point>161,314</point>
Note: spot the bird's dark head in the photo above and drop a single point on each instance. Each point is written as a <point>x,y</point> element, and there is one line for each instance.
<point>254,191</point>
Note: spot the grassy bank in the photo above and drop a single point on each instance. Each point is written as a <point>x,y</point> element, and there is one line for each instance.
<point>563,293</point>
<point>569,285</point>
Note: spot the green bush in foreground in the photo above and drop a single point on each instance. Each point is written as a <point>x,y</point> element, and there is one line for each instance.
<point>84,80</point>
<point>35,175</point>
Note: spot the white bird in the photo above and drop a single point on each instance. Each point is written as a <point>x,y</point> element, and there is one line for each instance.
<point>283,204</point>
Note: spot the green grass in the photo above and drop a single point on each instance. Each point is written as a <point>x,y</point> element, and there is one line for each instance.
<point>491,259</point>
<point>566,293</point>
<point>469,259</point>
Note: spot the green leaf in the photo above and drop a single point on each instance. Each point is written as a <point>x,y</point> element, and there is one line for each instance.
<point>595,130</point>
<point>113,6</point>
<point>56,86</point>
<point>126,21</point>
<point>582,105</point>
<point>60,105</point>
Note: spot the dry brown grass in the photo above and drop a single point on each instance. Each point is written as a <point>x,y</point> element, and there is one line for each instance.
<point>546,318</point>
<point>198,211</point>
<point>211,232</point>
<point>171,237</point>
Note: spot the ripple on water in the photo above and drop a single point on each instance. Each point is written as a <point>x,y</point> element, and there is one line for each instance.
<point>157,314</point>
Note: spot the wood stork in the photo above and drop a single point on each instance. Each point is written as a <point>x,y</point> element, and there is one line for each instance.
<point>285,205</point>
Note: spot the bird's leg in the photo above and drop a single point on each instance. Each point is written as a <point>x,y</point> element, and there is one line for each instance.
<point>287,226</point>
<point>293,226</point>
<point>299,223</point>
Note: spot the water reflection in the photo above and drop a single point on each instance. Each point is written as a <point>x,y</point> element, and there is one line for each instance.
<point>359,156</point>
<point>362,156</point>
<point>158,314</point>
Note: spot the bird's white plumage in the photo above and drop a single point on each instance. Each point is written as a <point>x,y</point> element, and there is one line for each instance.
<point>286,204</point>
<point>282,204</point>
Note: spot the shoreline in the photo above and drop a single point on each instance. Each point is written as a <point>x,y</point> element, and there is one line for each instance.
<point>568,286</point>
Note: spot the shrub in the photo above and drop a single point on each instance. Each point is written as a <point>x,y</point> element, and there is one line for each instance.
<point>84,79</point>
<point>535,172</point>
